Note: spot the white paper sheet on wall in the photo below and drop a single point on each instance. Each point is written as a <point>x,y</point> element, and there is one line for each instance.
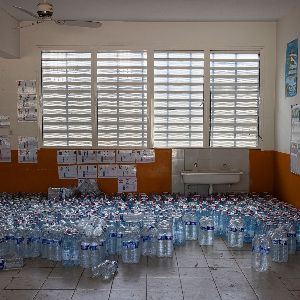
<point>127,184</point>
<point>27,155</point>
<point>106,156</point>
<point>27,142</point>
<point>4,121</point>
<point>127,171</point>
<point>4,142</point>
<point>67,157</point>
<point>125,156</point>
<point>26,87</point>
<point>145,156</point>
<point>86,156</point>
<point>27,114</point>
<point>67,172</point>
<point>5,155</point>
<point>107,171</point>
<point>87,171</point>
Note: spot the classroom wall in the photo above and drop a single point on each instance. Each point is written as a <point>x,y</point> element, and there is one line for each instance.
<point>131,35</point>
<point>286,184</point>
<point>9,36</point>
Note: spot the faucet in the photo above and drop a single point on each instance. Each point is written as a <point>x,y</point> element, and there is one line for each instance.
<point>195,165</point>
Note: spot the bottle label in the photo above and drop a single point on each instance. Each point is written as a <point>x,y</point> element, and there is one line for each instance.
<point>44,241</point>
<point>119,235</point>
<point>283,242</point>
<point>264,250</point>
<point>130,245</point>
<point>146,238</point>
<point>2,240</point>
<point>9,237</point>
<point>101,243</point>
<point>35,239</point>
<point>233,229</point>
<point>2,263</point>
<point>84,246</point>
<point>291,234</point>
<point>19,240</point>
<point>190,223</point>
<point>275,242</point>
<point>165,238</point>
<point>56,242</point>
<point>210,228</point>
<point>113,234</point>
<point>94,246</point>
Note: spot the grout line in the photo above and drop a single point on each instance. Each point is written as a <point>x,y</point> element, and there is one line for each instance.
<point>179,274</point>
<point>147,277</point>
<point>77,283</point>
<point>213,279</point>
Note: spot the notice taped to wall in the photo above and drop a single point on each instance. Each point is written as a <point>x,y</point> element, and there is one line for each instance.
<point>145,156</point>
<point>106,156</point>
<point>4,122</point>
<point>87,171</point>
<point>67,172</point>
<point>126,170</point>
<point>27,155</point>
<point>67,157</point>
<point>5,155</point>
<point>86,156</point>
<point>295,140</point>
<point>107,171</point>
<point>127,184</point>
<point>125,156</point>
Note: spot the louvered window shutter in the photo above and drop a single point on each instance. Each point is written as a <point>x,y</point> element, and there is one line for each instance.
<point>178,98</point>
<point>66,94</point>
<point>235,94</point>
<point>122,98</point>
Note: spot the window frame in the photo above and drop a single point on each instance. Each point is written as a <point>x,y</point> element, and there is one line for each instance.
<point>150,92</point>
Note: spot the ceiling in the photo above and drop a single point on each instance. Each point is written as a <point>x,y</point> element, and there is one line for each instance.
<point>159,10</point>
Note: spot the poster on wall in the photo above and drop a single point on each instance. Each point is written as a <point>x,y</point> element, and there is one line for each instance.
<point>67,172</point>
<point>107,171</point>
<point>125,156</point>
<point>127,184</point>
<point>67,157</point>
<point>87,171</point>
<point>27,101</point>
<point>145,156</point>
<point>295,139</point>
<point>106,156</point>
<point>126,171</point>
<point>27,149</point>
<point>4,122</point>
<point>291,69</point>
<point>5,151</point>
<point>86,156</point>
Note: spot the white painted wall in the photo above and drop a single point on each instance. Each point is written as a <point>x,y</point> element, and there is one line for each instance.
<point>149,36</point>
<point>9,36</point>
<point>288,29</point>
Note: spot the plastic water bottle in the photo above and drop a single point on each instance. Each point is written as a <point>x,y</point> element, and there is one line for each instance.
<point>106,270</point>
<point>250,226</point>
<point>10,263</point>
<point>10,238</point>
<point>279,245</point>
<point>297,228</point>
<point>178,230</point>
<point>235,236</point>
<point>98,249</point>
<point>120,232</point>
<point>261,252</point>
<point>45,242</point>
<point>149,240</point>
<point>165,239</point>
<point>19,240</point>
<point>56,244</point>
<point>70,249</point>
<point>85,247</point>
<point>206,231</point>
<point>190,220</point>
<point>131,249</point>
<point>33,241</point>
<point>111,237</point>
<point>291,234</point>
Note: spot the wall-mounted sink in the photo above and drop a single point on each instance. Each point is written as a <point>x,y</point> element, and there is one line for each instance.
<point>211,177</point>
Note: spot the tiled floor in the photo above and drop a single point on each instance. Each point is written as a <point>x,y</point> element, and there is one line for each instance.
<point>195,272</point>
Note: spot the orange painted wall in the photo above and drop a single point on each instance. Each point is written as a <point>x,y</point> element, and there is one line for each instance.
<point>261,171</point>
<point>15,177</point>
<point>286,184</point>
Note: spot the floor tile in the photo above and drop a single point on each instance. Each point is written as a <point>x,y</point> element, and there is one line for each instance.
<point>191,262</point>
<point>132,270</point>
<point>168,262</point>
<point>211,253</point>
<point>54,295</point>
<point>162,272</point>
<point>221,263</point>
<point>128,295</point>
<point>17,294</point>
<point>125,283</point>
<point>4,282</point>
<point>160,284</point>
<point>60,284</point>
<point>93,283</point>
<point>91,294</point>
<point>241,254</point>
<point>246,294</point>
<point>41,273</point>
<point>9,273</point>
<point>296,294</point>
<point>292,284</point>
<point>39,263</point>
<point>66,272</point>
<point>29,283</point>
<point>194,272</point>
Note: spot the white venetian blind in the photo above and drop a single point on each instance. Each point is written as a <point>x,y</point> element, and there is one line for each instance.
<point>122,98</point>
<point>235,92</point>
<point>178,98</point>
<point>66,93</point>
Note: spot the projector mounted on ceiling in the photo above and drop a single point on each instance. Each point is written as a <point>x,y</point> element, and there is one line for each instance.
<point>44,14</point>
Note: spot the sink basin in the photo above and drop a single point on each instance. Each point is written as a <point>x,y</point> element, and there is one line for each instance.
<point>211,176</point>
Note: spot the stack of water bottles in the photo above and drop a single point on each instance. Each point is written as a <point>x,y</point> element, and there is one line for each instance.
<point>87,230</point>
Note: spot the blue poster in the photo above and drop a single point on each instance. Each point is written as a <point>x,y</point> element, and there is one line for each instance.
<point>291,69</point>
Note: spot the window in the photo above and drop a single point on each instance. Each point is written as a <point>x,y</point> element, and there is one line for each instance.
<point>234,82</point>
<point>178,99</point>
<point>66,92</point>
<point>104,98</point>
<point>122,98</point>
